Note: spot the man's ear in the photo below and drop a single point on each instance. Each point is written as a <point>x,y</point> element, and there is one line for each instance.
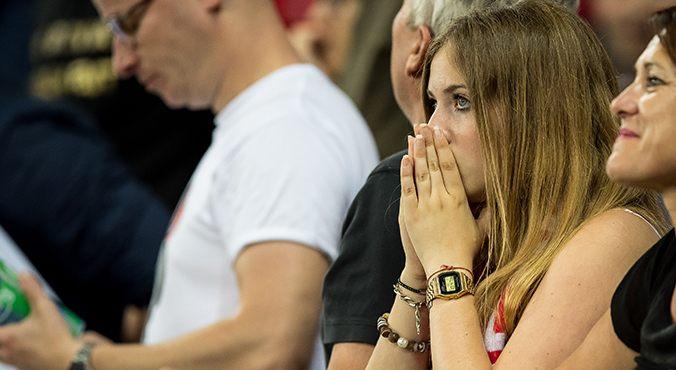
<point>416,57</point>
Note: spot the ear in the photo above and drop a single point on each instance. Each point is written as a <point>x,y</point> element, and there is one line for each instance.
<point>416,56</point>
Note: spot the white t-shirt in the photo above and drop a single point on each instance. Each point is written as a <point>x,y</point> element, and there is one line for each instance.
<point>288,156</point>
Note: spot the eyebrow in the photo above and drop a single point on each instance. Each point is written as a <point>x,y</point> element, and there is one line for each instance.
<point>448,90</point>
<point>452,88</point>
<point>649,65</point>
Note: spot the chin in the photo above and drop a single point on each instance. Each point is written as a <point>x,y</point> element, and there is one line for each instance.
<point>618,172</point>
<point>627,176</point>
<point>173,101</point>
<point>197,105</point>
<point>178,101</point>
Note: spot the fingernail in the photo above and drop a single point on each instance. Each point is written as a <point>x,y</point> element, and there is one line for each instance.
<point>423,125</point>
<point>419,142</point>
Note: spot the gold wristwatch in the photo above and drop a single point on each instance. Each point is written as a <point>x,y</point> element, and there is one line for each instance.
<point>448,285</point>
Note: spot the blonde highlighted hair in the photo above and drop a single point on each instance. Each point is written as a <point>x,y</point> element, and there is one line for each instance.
<point>541,85</point>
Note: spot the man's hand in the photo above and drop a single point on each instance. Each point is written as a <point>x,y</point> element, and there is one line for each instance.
<point>42,341</point>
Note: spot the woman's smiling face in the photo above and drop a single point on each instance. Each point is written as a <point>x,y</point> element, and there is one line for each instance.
<point>644,155</point>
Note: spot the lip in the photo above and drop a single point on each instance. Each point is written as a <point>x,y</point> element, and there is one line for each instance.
<point>626,133</point>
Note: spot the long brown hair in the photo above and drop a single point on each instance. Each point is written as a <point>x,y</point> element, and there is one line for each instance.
<point>541,85</point>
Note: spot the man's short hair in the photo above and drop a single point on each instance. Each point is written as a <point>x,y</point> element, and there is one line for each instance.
<point>436,13</point>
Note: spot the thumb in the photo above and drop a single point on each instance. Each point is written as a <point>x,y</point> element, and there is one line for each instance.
<point>32,290</point>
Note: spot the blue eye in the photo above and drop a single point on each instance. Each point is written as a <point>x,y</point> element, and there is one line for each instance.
<point>461,103</point>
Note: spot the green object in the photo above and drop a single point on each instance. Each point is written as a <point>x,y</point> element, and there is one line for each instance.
<point>14,306</point>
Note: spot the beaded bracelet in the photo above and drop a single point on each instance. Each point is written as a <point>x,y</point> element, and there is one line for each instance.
<point>392,337</point>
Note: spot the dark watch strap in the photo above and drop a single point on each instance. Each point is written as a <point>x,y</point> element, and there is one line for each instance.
<point>82,359</point>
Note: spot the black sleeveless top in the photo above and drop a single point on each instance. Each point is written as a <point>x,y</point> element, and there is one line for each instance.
<point>640,308</point>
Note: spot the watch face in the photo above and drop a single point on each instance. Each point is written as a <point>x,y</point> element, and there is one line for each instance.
<point>449,282</point>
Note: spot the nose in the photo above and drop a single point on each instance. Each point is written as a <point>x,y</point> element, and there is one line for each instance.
<point>125,59</point>
<point>625,104</point>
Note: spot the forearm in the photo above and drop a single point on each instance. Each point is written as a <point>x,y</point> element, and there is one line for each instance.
<point>245,342</point>
<point>268,332</point>
<point>350,356</point>
<point>387,355</point>
<point>456,335</point>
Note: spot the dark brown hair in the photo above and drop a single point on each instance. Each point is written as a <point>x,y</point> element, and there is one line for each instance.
<point>663,24</point>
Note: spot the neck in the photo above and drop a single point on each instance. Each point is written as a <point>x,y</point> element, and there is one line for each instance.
<point>254,51</point>
<point>415,114</point>
<point>669,198</point>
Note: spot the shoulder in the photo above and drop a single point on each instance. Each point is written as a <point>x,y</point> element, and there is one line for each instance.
<point>604,248</point>
<point>390,165</point>
<point>380,192</point>
<point>23,112</point>
<point>616,228</point>
<point>387,171</point>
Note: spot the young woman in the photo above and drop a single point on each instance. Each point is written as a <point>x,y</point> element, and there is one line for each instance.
<point>509,221</point>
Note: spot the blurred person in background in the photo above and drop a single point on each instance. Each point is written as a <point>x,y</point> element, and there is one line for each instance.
<point>351,40</point>
<point>88,225</point>
<point>71,61</point>
<point>622,26</point>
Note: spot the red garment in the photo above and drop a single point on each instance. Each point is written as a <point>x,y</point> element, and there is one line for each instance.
<point>495,337</point>
<point>292,11</point>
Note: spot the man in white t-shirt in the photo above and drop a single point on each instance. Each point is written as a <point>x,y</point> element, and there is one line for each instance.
<point>241,270</point>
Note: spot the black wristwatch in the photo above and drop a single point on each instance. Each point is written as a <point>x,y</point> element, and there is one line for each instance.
<point>448,285</point>
<point>82,359</point>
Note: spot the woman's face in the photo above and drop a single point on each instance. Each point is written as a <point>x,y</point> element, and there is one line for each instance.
<point>454,115</point>
<point>644,155</point>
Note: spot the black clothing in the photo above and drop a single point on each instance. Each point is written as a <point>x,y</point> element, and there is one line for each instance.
<point>641,305</point>
<point>358,287</point>
<point>85,223</point>
<point>71,60</point>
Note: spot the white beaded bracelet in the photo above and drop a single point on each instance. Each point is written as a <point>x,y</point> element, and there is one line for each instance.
<point>386,332</point>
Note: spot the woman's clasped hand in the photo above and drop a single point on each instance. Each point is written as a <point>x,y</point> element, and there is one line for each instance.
<point>436,213</point>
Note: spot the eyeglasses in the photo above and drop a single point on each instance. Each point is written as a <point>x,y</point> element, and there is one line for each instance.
<point>125,26</point>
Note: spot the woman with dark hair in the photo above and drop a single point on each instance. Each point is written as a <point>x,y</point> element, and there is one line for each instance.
<point>509,222</point>
<point>640,324</point>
